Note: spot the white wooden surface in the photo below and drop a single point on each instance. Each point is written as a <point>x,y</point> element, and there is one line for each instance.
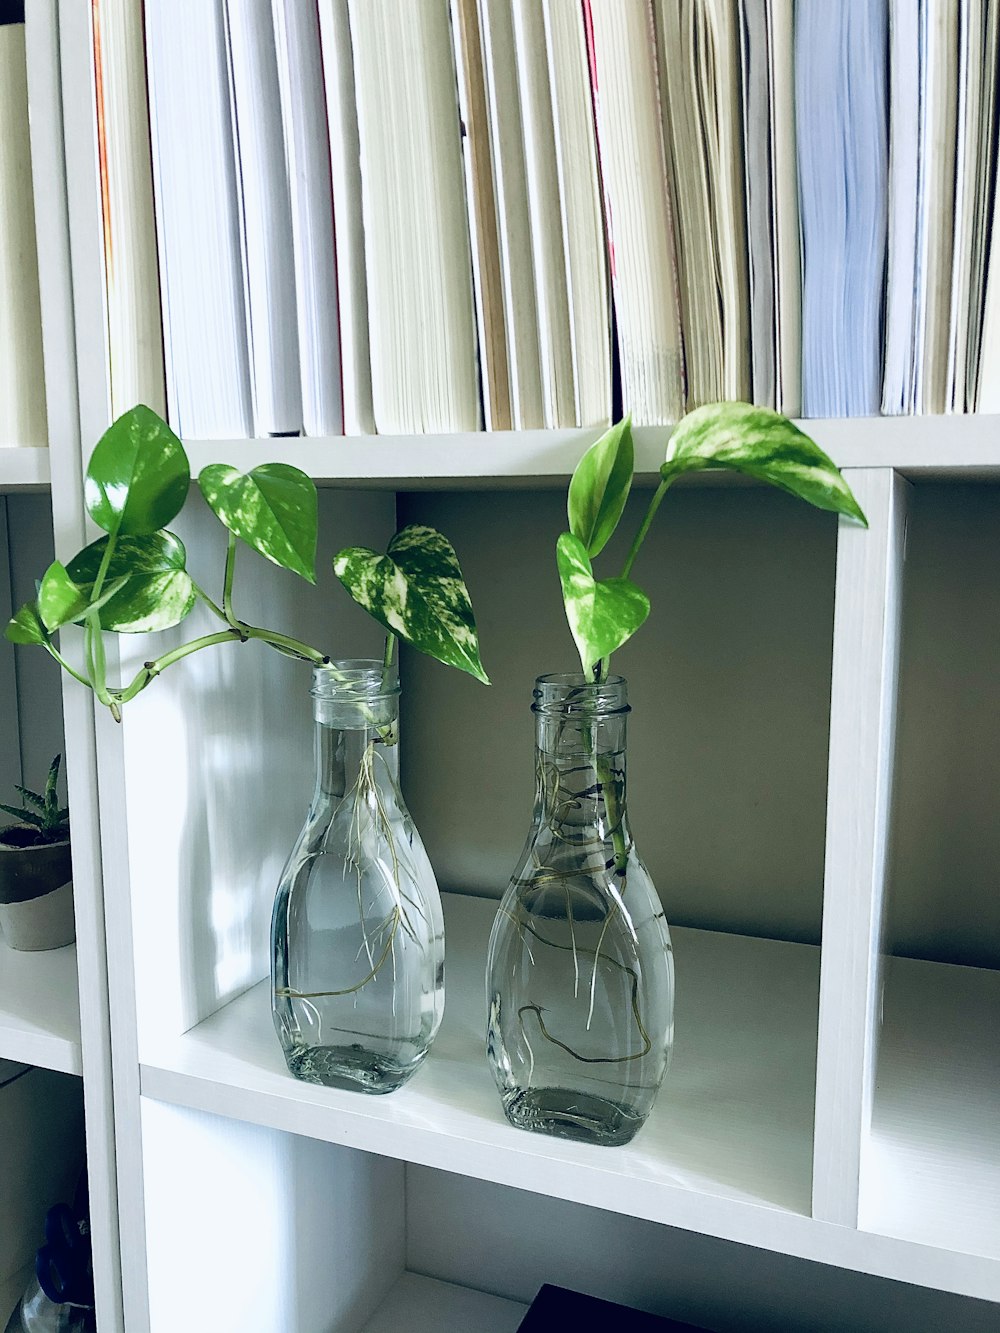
<point>251,1231</point>
<point>423,1305</point>
<point>40,1008</point>
<point>956,445</point>
<point>862,733</point>
<point>54,143</point>
<point>24,469</point>
<point>931,1165</point>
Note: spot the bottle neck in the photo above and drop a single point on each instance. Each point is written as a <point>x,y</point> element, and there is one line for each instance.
<point>580,739</point>
<point>356,712</point>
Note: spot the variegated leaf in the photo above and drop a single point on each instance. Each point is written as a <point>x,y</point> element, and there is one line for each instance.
<point>272,508</point>
<point>157,591</point>
<point>602,614</point>
<point>61,601</point>
<point>138,475</point>
<point>762,444</point>
<point>26,626</point>
<point>417,592</point>
<point>599,487</point>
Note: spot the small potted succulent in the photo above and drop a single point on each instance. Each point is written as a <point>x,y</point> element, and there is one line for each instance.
<point>36,885</point>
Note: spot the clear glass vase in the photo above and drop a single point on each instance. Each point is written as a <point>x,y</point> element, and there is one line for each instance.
<point>357,934</point>
<point>580,977</point>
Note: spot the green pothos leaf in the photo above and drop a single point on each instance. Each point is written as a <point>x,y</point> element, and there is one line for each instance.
<point>62,601</point>
<point>417,592</point>
<point>138,475</point>
<point>272,508</point>
<point>602,614</point>
<point>762,444</point>
<point>26,626</point>
<point>156,591</point>
<point>599,487</point>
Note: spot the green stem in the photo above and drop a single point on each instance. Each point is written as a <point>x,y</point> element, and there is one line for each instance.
<point>150,670</point>
<point>390,648</point>
<point>283,641</point>
<point>212,606</point>
<point>650,514</point>
<point>227,582</point>
<point>96,658</point>
<point>54,652</point>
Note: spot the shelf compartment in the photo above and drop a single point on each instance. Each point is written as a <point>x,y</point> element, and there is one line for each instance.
<point>931,1169</point>
<point>730,1138</point>
<point>918,446</point>
<point>424,1305</point>
<point>40,1008</point>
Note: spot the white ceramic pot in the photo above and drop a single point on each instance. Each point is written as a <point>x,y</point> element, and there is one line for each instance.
<point>36,895</point>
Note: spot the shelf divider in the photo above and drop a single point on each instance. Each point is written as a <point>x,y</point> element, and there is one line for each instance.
<point>862,735</point>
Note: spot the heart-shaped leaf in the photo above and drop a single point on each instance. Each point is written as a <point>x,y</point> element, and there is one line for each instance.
<point>156,591</point>
<point>417,592</point>
<point>26,626</point>
<point>61,601</point>
<point>600,486</point>
<point>272,508</point>
<point>762,444</point>
<point>138,476</point>
<point>602,614</point>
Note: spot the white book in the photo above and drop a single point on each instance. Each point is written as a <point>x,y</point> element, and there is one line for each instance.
<point>307,152</point>
<point>548,245</point>
<point>421,316</point>
<point>755,59</point>
<point>484,225</point>
<point>637,209</point>
<point>345,172</point>
<point>269,275</point>
<point>980,208</point>
<point>968,167</point>
<point>22,374</point>
<point>699,48</point>
<point>785,209</point>
<point>587,280</point>
<point>510,177</point>
<point>840,72</point>
<point>899,379</point>
<point>936,201</point>
<point>197,219</point>
<point>131,277</point>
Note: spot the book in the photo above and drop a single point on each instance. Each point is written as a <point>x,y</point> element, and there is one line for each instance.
<point>22,373</point>
<point>587,279</point>
<point>417,253</point>
<point>307,154</point>
<point>345,175</point>
<point>755,63</point>
<point>841,136</point>
<point>484,227</point>
<point>131,276</point>
<point>785,209</point>
<point>699,50</point>
<point>265,212</point>
<point>545,219</point>
<point>900,373</point>
<point>625,89</point>
<point>510,176</point>
<point>197,220</point>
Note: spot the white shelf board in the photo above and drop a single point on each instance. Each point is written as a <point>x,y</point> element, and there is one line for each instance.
<point>726,1151</point>
<point>24,469</point>
<point>931,1171</point>
<point>954,446</point>
<point>424,1305</point>
<point>40,1008</point>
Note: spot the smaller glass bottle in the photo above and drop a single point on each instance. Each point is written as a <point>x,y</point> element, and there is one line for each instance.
<point>580,977</point>
<point>357,934</point>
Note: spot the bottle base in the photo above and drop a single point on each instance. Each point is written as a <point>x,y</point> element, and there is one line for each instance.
<point>350,1068</point>
<point>579,1116</point>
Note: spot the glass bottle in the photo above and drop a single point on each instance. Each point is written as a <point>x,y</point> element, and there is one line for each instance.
<point>580,977</point>
<point>357,934</point>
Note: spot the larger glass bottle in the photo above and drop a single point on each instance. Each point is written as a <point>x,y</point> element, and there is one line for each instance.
<point>580,977</point>
<point>357,934</point>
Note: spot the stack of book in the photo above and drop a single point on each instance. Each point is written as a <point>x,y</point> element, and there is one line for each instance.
<point>331,217</point>
<point>22,376</point>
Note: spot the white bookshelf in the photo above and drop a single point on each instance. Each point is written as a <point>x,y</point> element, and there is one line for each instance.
<point>822,1140</point>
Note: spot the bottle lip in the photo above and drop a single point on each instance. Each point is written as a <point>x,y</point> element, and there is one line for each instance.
<point>354,680</point>
<point>572,694</point>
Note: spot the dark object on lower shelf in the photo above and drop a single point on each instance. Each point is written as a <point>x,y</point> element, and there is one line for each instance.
<point>555,1309</point>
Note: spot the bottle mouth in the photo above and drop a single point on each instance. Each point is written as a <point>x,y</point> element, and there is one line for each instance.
<point>354,680</point>
<point>571,694</point>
